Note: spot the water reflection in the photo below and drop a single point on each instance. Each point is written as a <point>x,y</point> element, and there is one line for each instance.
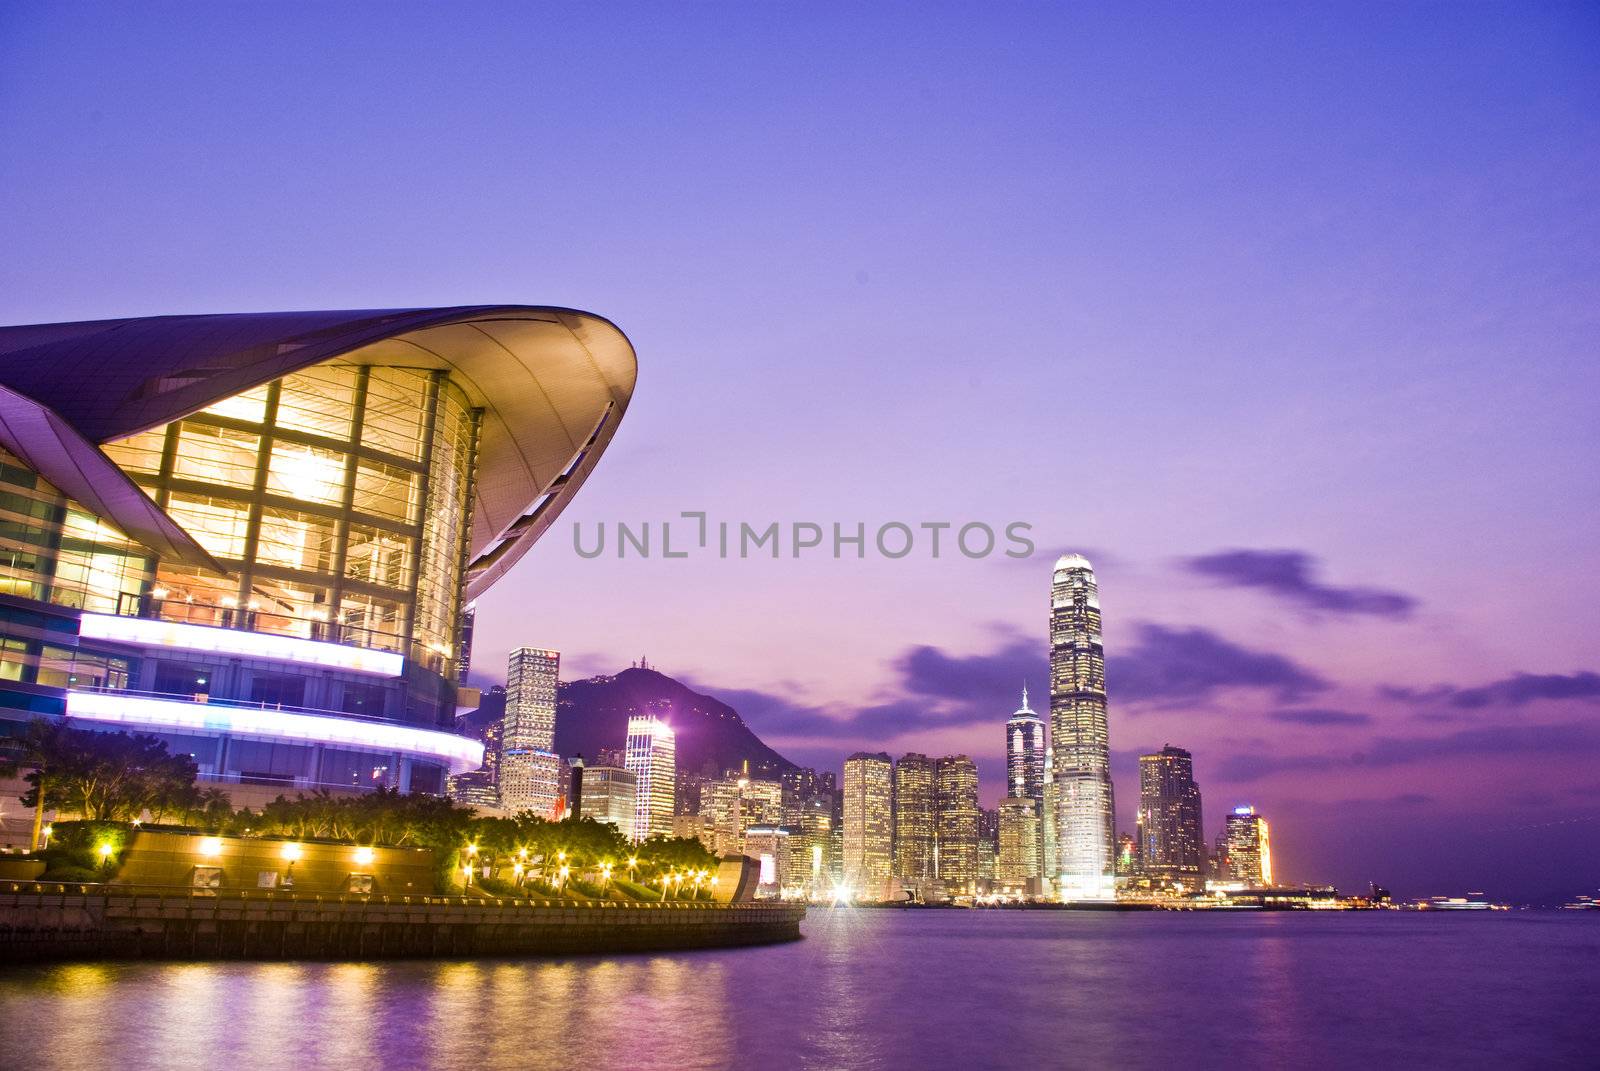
<point>866,989</point>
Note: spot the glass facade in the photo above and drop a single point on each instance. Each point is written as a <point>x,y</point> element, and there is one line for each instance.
<point>913,818</point>
<point>53,550</point>
<point>337,498</point>
<point>1171,844</point>
<point>1081,749</point>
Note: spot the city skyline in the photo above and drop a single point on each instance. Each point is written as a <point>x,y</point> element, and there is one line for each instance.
<point>1315,286</point>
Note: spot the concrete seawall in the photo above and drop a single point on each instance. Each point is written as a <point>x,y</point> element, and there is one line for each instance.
<point>94,923</point>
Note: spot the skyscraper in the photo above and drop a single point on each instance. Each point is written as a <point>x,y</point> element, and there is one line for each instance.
<point>1172,846</point>
<point>913,818</point>
<point>1019,841</point>
<point>652,758</point>
<point>610,794</point>
<point>956,802</point>
<point>1025,748</point>
<point>734,804</point>
<point>1085,815</point>
<point>868,822</point>
<point>530,771</point>
<point>1249,847</point>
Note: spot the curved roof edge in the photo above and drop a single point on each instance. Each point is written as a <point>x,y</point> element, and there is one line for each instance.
<point>553,384</point>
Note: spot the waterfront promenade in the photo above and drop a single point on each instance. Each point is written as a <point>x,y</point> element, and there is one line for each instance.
<point>56,921</point>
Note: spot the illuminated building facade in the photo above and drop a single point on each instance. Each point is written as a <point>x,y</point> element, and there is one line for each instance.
<point>1171,846</point>
<point>868,822</point>
<point>956,803</point>
<point>253,535</point>
<point>1249,847</point>
<point>1018,861</point>
<point>811,846</point>
<point>914,818</point>
<point>530,769</point>
<point>731,806</point>
<point>652,758</point>
<point>1025,753</point>
<point>1085,834</point>
<point>610,794</point>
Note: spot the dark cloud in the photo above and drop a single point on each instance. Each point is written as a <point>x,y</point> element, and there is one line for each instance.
<point>773,716</point>
<point>1515,690</point>
<point>1565,739</point>
<point>937,689</point>
<point>980,678</point>
<point>1179,665</point>
<point>1289,574</point>
<point>1320,717</point>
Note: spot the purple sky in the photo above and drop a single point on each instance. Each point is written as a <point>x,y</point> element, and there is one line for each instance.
<point>1286,318</point>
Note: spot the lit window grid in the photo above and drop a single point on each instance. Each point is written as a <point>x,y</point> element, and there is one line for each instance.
<point>52,550</point>
<point>273,499</point>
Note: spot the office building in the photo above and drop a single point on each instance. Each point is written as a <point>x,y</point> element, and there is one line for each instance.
<point>914,821</point>
<point>1025,753</point>
<point>530,770</point>
<point>611,794</point>
<point>1249,848</point>
<point>652,758</point>
<point>731,806</point>
<point>956,803</point>
<point>868,828</point>
<point>1171,846</point>
<point>1018,861</point>
<point>1085,834</point>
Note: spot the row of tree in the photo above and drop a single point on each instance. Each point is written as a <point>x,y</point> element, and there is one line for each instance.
<point>123,777</point>
<point>104,777</point>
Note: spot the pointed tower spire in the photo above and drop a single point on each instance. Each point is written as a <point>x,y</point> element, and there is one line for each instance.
<point>1024,695</point>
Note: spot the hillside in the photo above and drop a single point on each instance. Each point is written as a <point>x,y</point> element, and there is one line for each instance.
<point>711,737</point>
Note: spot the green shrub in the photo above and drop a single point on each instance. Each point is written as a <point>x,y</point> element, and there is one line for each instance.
<point>67,872</point>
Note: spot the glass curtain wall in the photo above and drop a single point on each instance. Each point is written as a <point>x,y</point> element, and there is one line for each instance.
<point>337,497</point>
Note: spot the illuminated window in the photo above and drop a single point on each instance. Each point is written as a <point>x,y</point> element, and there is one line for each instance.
<point>222,457</point>
<point>308,473</point>
<point>319,401</point>
<point>386,491</point>
<point>294,539</point>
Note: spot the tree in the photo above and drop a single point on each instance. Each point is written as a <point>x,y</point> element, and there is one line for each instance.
<point>38,747</point>
<point>108,777</point>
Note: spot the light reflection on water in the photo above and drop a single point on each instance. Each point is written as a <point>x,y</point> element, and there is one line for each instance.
<point>868,989</point>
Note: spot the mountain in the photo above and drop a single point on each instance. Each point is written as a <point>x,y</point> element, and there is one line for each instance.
<point>711,737</point>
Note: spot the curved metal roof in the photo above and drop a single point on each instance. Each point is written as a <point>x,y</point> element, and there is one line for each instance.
<point>553,384</point>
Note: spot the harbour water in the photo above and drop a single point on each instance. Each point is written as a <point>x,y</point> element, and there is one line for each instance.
<point>874,989</point>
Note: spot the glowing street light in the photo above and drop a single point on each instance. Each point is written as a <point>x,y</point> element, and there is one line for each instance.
<point>105,850</point>
<point>210,847</point>
<point>472,849</point>
<point>291,852</point>
<point>363,856</point>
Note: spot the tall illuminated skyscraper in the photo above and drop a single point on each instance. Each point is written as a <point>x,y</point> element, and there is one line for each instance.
<point>1172,845</point>
<point>956,801</point>
<point>868,823</point>
<point>1085,814</point>
<point>530,770</point>
<point>1249,847</point>
<point>913,818</point>
<point>651,755</point>
<point>1025,745</point>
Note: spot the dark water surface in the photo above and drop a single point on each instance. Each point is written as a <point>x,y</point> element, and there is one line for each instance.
<point>873,989</point>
